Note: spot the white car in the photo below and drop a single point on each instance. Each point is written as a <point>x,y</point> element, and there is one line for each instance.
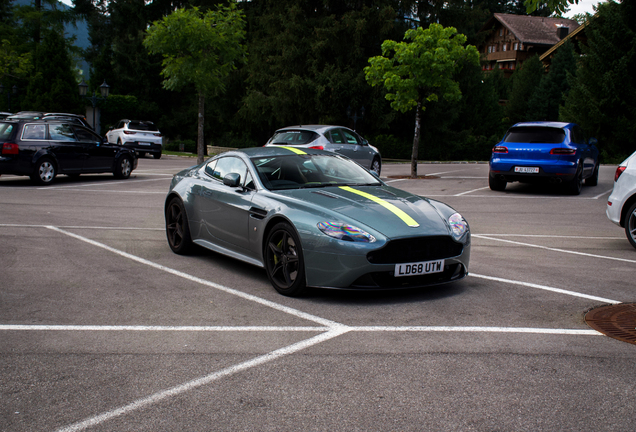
<point>141,136</point>
<point>621,205</point>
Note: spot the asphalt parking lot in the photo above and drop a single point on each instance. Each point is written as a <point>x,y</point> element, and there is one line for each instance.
<point>103,328</point>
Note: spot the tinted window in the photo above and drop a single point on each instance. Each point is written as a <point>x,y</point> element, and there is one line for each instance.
<point>84,135</point>
<point>577,135</point>
<point>336,137</point>
<point>144,126</point>
<point>61,132</point>
<point>544,135</point>
<point>34,132</point>
<point>6,130</point>
<point>349,137</point>
<point>294,137</point>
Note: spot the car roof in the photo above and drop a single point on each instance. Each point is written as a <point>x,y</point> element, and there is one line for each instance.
<point>315,128</point>
<point>552,124</point>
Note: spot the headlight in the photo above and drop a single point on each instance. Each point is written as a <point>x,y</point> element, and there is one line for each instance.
<point>458,226</point>
<point>345,232</point>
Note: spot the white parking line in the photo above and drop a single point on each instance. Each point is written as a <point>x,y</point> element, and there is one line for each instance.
<point>604,193</point>
<point>555,249</point>
<point>470,191</point>
<point>141,403</point>
<point>109,183</point>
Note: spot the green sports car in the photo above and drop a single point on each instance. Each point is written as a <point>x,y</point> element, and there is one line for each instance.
<point>313,218</point>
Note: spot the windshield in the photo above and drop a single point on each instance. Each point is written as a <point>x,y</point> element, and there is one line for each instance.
<point>310,171</point>
<point>544,135</point>
<point>293,137</point>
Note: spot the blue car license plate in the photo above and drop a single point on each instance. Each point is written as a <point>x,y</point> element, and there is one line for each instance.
<point>527,170</point>
<point>419,268</point>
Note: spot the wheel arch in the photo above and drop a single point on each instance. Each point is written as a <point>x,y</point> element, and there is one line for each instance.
<point>628,203</point>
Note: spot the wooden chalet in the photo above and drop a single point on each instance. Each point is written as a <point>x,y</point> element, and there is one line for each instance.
<point>511,39</point>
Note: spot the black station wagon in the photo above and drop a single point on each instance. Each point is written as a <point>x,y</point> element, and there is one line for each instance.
<point>42,149</point>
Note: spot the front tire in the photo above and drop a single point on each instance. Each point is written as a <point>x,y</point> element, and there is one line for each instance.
<point>44,172</point>
<point>284,261</point>
<point>630,225</point>
<point>157,155</point>
<point>177,227</point>
<point>123,168</point>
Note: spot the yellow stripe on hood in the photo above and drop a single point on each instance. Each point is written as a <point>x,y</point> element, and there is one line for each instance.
<point>387,205</point>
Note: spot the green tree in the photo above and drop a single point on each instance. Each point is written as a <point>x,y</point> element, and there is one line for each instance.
<point>558,6</point>
<point>198,50</point>
<point>602,98</point>
<point>53,85</point>
<point>421,71</point>
<point>553,88</point>
<point>525,82</point>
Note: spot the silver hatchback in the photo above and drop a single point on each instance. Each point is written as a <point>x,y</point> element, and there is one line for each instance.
<point>337,139</point>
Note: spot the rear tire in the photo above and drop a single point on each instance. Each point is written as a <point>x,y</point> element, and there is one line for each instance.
<point>592,181</point>
<point>574,186</point>
<point>177,227</point>
<point>630,225</point>
<point>496,184</point>
<point>44,172</point>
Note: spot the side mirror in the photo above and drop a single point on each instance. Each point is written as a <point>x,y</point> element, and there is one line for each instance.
<point>232,180</point>
<point>593,141</point>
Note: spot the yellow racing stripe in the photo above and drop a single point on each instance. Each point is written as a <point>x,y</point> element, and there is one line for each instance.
<point>387,205</point>
<point>293,149</point>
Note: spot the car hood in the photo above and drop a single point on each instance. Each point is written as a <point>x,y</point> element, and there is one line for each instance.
<point>390,211</point>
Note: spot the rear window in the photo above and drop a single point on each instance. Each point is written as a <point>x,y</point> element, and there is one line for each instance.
<point>7,130</point>
<point>294,137</point>
<point>144,126</point>
<point>531,135</point>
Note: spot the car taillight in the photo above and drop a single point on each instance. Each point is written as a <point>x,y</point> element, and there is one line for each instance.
<point>129,132</point>
<point>157,134</point>
<point>562,151</point>
<point>10,149</point>
<point>500,149</point>
<point>619,171</point>
<point>317,147</point>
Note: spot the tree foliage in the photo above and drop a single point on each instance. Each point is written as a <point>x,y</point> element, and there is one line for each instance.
<point>602,98</point>
<point>421,71</point>
<point>198,50</point>
<point>525,81</point>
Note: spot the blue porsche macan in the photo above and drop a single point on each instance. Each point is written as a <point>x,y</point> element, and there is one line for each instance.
<point>313,218</point>
<point>550,152</point>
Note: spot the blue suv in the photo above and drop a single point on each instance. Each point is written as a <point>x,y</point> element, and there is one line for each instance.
<point>550,152</point>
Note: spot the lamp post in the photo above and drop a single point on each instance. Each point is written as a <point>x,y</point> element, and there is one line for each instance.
<point>355,117</point>
<point>14,90</point>
<point>104,89</point>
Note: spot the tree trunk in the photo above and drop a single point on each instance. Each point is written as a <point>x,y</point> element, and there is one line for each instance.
<point>416,141</point>
<point>200,141</point>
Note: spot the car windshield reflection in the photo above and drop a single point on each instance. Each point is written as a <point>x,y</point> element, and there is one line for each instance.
<point>311,171</point>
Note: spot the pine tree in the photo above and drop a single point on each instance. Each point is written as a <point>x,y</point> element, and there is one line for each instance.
<point>524,84</point>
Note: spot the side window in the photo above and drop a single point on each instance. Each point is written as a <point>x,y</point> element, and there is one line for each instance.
<point>34,132</point>
<point>227,165</point>
<point>86,136</point>
<point>209,168</point>
<point>249,182</point>
<point>577,136</point>
<point>336,137</point>
<point>61,132</point>
<point>349,137</point>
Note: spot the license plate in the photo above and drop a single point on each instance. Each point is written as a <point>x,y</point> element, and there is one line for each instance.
<point>527,170</point>
<point>419,268</point>
<point>144,143</point>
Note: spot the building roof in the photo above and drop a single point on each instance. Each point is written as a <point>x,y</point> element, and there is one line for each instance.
<point>572,34</point>
<point>531,29</point>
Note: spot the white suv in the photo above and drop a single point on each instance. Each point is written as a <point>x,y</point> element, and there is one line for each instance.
<point>621,205</point>
<point>140,136</point>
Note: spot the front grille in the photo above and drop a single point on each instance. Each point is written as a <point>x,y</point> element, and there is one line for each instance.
<point>415,250</point>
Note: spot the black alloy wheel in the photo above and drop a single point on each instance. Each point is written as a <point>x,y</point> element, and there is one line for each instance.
<point>177,227</point>
<point>44,172</point>
<point>284,260</point>
<point>376,166</point>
